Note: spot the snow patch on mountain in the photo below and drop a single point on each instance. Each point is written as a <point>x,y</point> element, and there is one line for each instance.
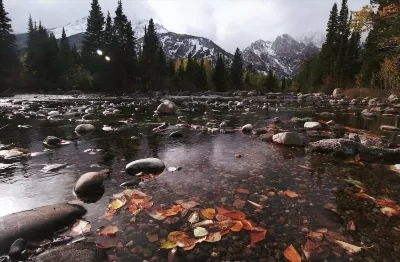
<point>315,37</point>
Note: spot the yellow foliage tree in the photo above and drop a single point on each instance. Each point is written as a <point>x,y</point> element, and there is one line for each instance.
<point>390,73</point>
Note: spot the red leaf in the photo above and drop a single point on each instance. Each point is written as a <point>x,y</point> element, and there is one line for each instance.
<point>242,191</point>
<point>257,234</point>
<point>106,241</point>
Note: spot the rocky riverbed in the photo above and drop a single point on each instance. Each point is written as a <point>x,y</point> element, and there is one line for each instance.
<point>269,178</point>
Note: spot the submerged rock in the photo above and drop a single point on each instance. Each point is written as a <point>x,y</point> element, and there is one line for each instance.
<point>36,224</point>
<point>312,125</point>
<point>291,139</point>
<point>83,251</point>
<point>84,128</point>
<point>342,147</point>
<point>146,166</point>
<point>167,108</point>
<point>52,141</point>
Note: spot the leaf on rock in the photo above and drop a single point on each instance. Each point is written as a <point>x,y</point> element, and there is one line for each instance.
<point>204,223</point>
<point>207,213</point>
<point>291,254</point>
<point>108,231</point>
<point>133,209</point>
<point>291,194</point>
<point>213,237</point>
<point>242,191</point>
<point>257,234</point>
<point>168,245</point>
<point>105,242</point>
<point>189,204</point>
<point>254,204</point>
<point>200,232</point>
<point>246,225</point>
<point>388,211</point>
<point>222,210</point>
<point>236,215</point>
<point>239,204</point>
<point>176,236</point>
<point>220,218</point>
<point>81,227</point>
<point>157,215</point>
<point>237,226</point>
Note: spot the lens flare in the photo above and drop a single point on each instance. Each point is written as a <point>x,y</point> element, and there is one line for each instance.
<point>99,52</point>
<point>107,58</point>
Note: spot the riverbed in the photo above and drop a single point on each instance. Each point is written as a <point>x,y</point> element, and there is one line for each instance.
<point>213,175</point>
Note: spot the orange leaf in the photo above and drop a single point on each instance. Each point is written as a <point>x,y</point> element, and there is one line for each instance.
<point>236,215</point>
<point>388,211</point>
<point>106,241</point>
<point>237,226</point>
<point>291,194</point>
<point>208,213</point>
<point>176,236</point>
<point>187,243</point>
<point>225,232</point>
<point>242,191</point>
<point>220,218</point>
<point>222,210</point>
<point>189,204</point>
<point>133,209</point>
<point>246,224</point>
<point>291,254</point>
<point>108,231</point>
<point>175,209</point>
<point>386,202</point>
<point>257,234</point>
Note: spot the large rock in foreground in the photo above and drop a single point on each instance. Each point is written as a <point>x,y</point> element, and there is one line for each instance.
<point>38,223</point>
<point>167,108</point>
<point>148,166</point>
<point>83,251</point>
<point>291,139</point>
<point>340,147</point>
<point>84,128</point>
<point>90,185</point>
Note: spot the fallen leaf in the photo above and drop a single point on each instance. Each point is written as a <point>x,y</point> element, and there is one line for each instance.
<point>226,224</point>
<point>207,213</point>
<point>355,183</point>
<point>333,236</point>
<point>176,236</point>
<point>213,237</point>
<point>257,234</point>
<point>171,220</point>
<point>351,226</point>
<point>204,223</point>
<point>362,195</point>
<point>291,194</point>
<point>316,250</point>
<point>239,204</point>
<point>106,242</point>
<point>220,218</point>
<point>254,204</point>
<point>291,254</point>
<point>130,193</point>
<point>108,231</point>
<point>246,224</point>
<point>175,209</point>
<point>187,243</point>
<point>315,236</point>
<point>146,205</point>
<point>242,191</point>
<point>168,245</point>
<point>81,227</point>
<point>350,249</point>
<point>200,232</point>
<point>152,237</point>
<point>115,206</point>
<point>194,217</point>
<point>189,204</point>
<point>236,215</point>
<point>157,215</point>
<point>388,211</point>
<point>133,209</point>
<point>222,210</point>
<point>237,226</point>
<point>386,202</point>
<point>225,232</point>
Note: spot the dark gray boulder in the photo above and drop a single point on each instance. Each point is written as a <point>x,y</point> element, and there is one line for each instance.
<point>38,223</point>
<point>52,141</point>
<point>146,166</point>
<point>339,147</point>
<point>84,128</point>
<point>82,252</point>
<point>90,185</point>
<point>16,248</point>
<point>291,139</point>
<point>167,108</point>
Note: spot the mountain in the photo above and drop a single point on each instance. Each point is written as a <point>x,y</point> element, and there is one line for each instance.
<point>317,38</point>
<point>283,56</point>
<point>180,45</point>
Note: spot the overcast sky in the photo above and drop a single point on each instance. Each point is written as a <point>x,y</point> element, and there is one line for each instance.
<point>229,23</point>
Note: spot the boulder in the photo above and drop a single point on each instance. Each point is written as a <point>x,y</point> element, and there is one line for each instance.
<point>259,131</point>
<point>38,223</point>
<point>354,137</point>
<point>247,128</point>
<point>176,134</point>
<point>167,108</point>
<point>82,251</point>
<point>291,139</point>
<point>379,154</point>
<point>266,137</point>
<point>53,113</point>
<point>312,125</point>
<point>90,184</point>
<point>147,166</point>
<point>339,147</point>
<point>16,248</point>
<point>88,117</point>
<point>84,128</point>
<point>52,141</point>
<point>338,92</point>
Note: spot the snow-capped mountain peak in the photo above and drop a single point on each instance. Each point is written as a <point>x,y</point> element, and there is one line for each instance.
<point>79,26</point>
<point>317,38</point>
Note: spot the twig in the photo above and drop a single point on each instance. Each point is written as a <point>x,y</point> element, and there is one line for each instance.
<point>4,126</point>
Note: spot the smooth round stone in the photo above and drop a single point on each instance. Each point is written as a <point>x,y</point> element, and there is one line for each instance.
<point>312,125</point>
<point>16,248</point>
<point>52,141</point>
<point>167,108</point>
<point>247,128</point>
<point>84,128</point>
<point>147,166</point>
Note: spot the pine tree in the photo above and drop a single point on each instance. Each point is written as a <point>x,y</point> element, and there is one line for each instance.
<point>270,82</point>
<point>8,52</point>
<point>283,84</point>
<point>94,40</point>
<point>236,70</point>
<point>108,34</point>
<point>219,76</point>
<point>190,68</point>
<point>202,75</point>
<point>329,48</point>
<point>65,55</point>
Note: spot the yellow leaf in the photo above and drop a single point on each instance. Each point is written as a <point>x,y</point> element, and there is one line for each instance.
<point>291,254</point>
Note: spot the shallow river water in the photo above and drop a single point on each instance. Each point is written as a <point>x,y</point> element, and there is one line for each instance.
<point>211,175</point>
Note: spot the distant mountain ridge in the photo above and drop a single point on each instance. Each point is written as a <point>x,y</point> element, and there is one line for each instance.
<point>283,55</point>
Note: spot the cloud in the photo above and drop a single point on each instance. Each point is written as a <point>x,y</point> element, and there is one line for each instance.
<point>229,23</point>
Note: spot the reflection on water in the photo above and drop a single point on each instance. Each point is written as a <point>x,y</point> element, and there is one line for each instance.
<point>210,171</point>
